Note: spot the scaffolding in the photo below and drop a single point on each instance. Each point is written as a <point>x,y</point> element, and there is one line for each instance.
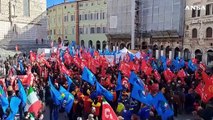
<point>163,17</point>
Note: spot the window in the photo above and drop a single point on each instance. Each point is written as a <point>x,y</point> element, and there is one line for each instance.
<point>198,13</point>
<point>208,9</point>
<point>82,17</point>
<point>80,5</point>
<point>92,30</point>
<point>26,7</point>
<point>98,30</point>
<point>73,30</point>
<point>86,30</point>
<point>97,16</point>
<point>194,33</point>
<point>103,15</point>
<point>66,31</point>
<point>94,16</point>
<point>104,29</point>
<point>72,18</point>
<point>65,18</point>
<point>79,17</point>
<point>85,16</point>
<point>81,30</point>
<point>91,16</point>
<point>91,4</point>
<point>54,32</point>
<point>88,17</point>
<point>193,13</point>
<point>209,32</point>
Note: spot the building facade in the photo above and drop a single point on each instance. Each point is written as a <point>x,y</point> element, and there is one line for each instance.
<point>81,21</point>
<point>157,24</point>
<point>198,38</point>
<point>163,26</point>
<point>22,20</point>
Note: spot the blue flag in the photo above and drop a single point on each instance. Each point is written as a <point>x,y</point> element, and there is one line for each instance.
<point>154,66</point>
<point>4,100</point>
<point>182,63</point>
<point>68,99</point>
<point>22,94</point>
<point>62,52</point>
<point>138,93</point>
<point>70,50</point>
<point>131,57</point>
<point>162,107</point>
<point>14,106</point>
<point>163,63</point>
<point>192,66</point>
<point>69,81</point>
<point>133,78</point>
<point>88,76</point>
<point>103,91</point>
<point>22,70</point>
<point>119,84</point>
<point>55,94</point>
<point>73,43</point>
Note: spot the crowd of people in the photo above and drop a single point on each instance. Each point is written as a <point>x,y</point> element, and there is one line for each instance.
<point>87,105</point>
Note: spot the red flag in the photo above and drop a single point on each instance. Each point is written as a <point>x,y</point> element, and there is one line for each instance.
<point>107,112</point>
<point>205,77</point>
<point>125,69</point>
<point>205,90</point>
<point>157,75</point>
<point>32,56</point>
<point>67,58</point>
<point>181,74</point>
<point>64,70</point>
<point>26,79</point>
<point>145,68</point>
<point>194,60</point>
<point>202,66</point>
<point>168,75</point>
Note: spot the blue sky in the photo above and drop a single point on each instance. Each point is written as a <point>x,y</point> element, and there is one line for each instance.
<point>54,2</point>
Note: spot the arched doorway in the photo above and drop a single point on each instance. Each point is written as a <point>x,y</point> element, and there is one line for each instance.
<point>187,55</point>
<point>198,55</point>
<point>210,57</point>
<point>168,52</point>
<point>161,50</point>
<point>155,52</point>
<point>111,46</point>
<point>98,45</point>
<point>177,52</point>
<point>82,43</point>
<point>122,45</point>
<point>144,45</point>
<point>129,46</point>
<point>104,45</point>
<point>90,44</point>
